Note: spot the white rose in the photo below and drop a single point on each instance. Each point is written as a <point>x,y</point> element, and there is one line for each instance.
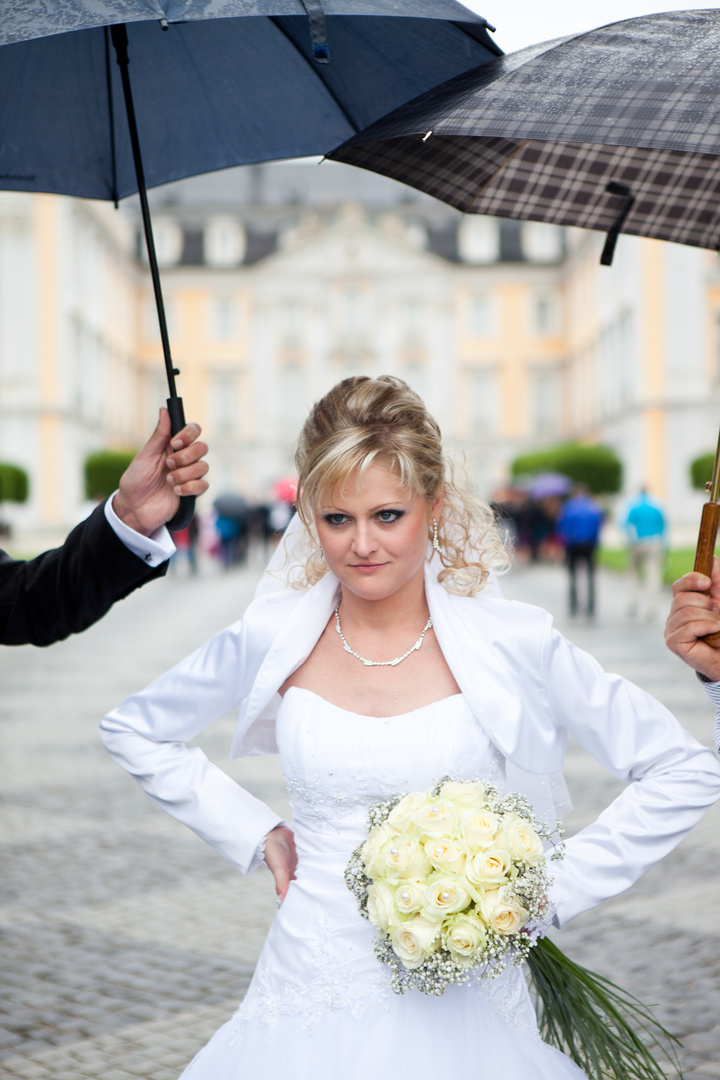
<point>522,841</point>
<point>409,896</point>
<point>403,858</point>
<point>381,905</point>
<point>446,855</point>
<point>436,818</point>
<point>478,827</point>
<point>464,938</point>
<point>503,914</point>
<point>377,838</point>
<point>444,896</point>
<point>472,794</point>
<point>401,817</point>
<point>489,867</point>
<point>414,941</point>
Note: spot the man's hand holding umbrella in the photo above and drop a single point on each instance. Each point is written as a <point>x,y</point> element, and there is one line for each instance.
<point>693,615</point>
<point>164,469</point>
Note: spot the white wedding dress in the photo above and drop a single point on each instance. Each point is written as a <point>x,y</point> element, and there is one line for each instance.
<point>320,1004</point>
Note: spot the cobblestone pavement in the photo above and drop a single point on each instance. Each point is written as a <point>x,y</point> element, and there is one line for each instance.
<point>126,941</point>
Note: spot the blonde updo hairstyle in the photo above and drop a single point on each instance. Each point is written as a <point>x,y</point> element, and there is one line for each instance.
<point>362,421</point>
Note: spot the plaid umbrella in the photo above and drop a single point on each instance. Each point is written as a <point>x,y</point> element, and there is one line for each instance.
<point>617,129</point>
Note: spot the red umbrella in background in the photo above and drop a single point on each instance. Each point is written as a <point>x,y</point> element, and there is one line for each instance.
<point>285,489</point>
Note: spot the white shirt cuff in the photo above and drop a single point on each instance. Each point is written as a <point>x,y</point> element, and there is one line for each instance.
<point>153,550</point>
<point>712,689</point>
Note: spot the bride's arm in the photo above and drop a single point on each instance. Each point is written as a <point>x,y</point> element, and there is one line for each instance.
<point>147,735</point>
<point>672,778</point>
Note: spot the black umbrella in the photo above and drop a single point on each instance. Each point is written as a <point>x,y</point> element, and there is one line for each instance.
<point>215,83</point>
<point>617,130</point>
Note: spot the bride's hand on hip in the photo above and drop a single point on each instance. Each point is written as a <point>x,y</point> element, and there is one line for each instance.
<point>281,858</point>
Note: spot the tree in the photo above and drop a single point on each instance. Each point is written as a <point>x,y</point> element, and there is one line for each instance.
<point>597,466</point>
<point>701,471</point>
<point>103,471</point>
<point>14,483</point>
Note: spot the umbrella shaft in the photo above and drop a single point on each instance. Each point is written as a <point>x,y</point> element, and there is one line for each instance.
<point>120,41</point>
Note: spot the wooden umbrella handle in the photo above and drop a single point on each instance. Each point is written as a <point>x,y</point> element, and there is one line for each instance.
<point>706,549</point>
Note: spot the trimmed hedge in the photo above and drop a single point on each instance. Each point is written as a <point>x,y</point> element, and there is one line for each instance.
<point>701,471</point>
<point>14,483</point>
<point>597,466</point>
<point>103,471</point>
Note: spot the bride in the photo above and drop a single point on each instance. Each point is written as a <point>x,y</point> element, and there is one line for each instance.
<point>376,658</point>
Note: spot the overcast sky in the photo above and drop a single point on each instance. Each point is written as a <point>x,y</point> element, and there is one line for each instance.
<point>524,22</point>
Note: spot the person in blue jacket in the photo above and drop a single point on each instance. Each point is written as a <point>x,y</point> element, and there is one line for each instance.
<point>578,526</point>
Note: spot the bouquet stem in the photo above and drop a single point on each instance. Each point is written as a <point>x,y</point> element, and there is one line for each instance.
<point>595,1022</point>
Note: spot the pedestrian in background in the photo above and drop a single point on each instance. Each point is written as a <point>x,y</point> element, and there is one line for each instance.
<point>578,526</point>
<point>645,527</point>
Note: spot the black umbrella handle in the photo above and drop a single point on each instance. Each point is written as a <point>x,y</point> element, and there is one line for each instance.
<point>118,33</point>
<point>183,515</point>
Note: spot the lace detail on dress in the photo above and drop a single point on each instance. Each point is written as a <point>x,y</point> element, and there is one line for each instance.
<point>509,997</point>
<point>324,798</point>
<point>328,989</point>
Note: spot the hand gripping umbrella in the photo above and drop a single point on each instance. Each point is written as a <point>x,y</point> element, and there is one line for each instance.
<point>617,130</point>
<point>214,83</point>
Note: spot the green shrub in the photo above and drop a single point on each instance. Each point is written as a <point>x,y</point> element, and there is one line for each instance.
<point>103,471</point>
<point>701,470</point>
<point>14,483</point>
<point>597,466</point>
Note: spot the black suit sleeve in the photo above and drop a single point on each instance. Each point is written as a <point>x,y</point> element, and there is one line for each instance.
<point>67,589</point>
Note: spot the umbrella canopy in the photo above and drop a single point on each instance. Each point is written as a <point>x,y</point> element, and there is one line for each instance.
<point>548,485</point>
<point>234,507</point>
<point>617,129</point>
<point>285,489</point>
<point>215,82</point>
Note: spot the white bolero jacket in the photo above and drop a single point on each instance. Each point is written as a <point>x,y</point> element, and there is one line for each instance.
<point>526,684</point>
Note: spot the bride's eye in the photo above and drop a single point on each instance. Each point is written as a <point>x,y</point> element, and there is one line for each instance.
<point>387,517</point>
<point>335,519</point>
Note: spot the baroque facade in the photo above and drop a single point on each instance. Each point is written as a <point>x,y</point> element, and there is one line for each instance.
<point>279,280</point>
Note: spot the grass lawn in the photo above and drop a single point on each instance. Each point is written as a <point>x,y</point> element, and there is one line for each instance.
<point>678,561</point>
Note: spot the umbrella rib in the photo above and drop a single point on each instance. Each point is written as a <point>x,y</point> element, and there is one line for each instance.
<point>497,172</point>
<point>313,67</point>
<point>111,117</point>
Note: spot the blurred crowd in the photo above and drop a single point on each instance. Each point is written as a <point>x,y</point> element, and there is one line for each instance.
<point>234,531</point>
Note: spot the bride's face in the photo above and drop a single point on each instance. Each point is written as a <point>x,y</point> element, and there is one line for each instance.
<point>374,536</point>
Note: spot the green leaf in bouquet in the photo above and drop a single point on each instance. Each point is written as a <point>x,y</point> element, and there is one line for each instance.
<point>606,1031</point>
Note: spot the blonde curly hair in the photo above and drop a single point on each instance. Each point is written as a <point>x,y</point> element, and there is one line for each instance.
<point>363,420</point>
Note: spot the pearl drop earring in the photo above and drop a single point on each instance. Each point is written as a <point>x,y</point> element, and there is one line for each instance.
<point>435,541</point>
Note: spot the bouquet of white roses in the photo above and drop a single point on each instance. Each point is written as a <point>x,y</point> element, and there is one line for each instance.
<point>453,879</point>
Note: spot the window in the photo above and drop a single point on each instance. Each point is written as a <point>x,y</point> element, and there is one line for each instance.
<point>223,318</point>
<point>353,313</point>
<point>224,242</point>
<point>291,322</point>
<point>541,242</point>
<point>483,401</point>
<point>544,314</point>
<point>413,320</point>
<point>479,240</point>
<point>481,315</point>
<point>545,391</point>
<point>293,406</point>
<point>224,403</point>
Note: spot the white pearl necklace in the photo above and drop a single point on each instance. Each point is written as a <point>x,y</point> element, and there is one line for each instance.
<point>378,663</point>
